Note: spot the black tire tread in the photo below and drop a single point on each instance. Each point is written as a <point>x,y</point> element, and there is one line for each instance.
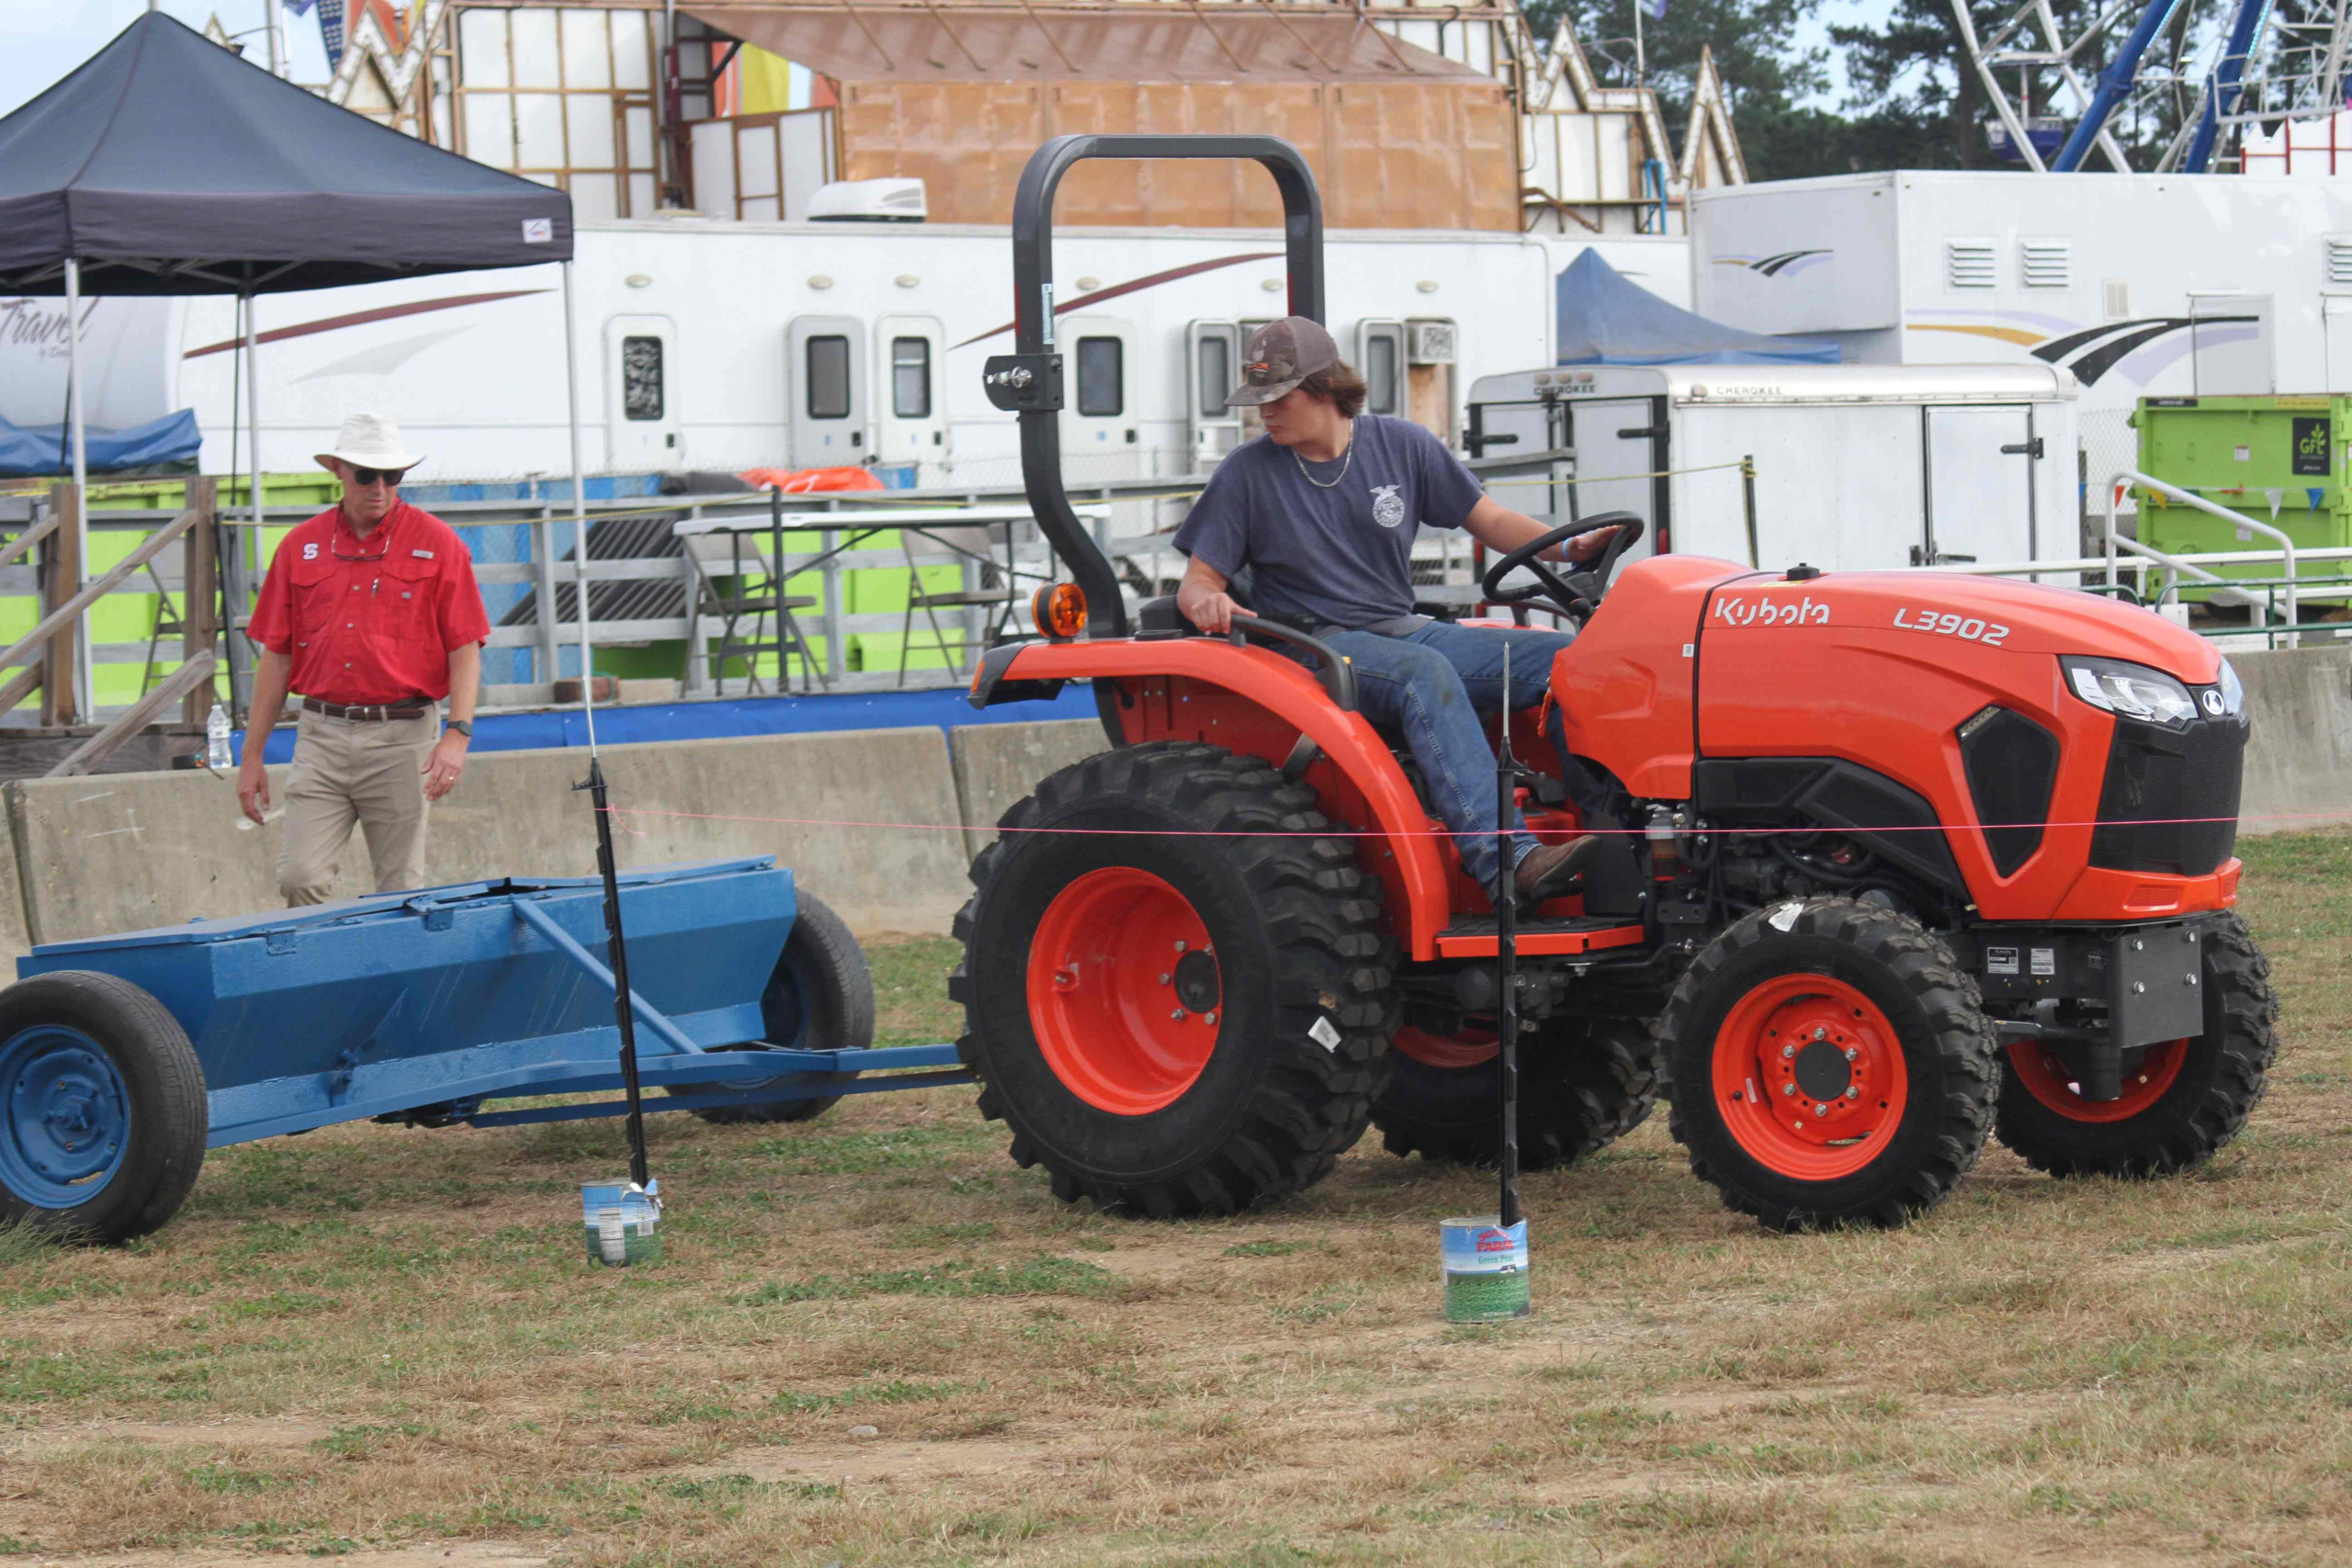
<point>2174,1143</point>
<point>1581,1088</point>
<point>1324,912</point>
<point>1965,1043</point>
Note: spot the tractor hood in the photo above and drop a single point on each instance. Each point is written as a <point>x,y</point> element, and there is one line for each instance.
<point>2019,617</point>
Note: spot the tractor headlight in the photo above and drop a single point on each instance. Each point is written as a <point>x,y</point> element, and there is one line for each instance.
<point>2131,691</point>
<point>2233,690</point>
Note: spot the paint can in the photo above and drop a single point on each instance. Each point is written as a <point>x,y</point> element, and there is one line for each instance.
<point>1486,1269</point>
<point>621,1222</point>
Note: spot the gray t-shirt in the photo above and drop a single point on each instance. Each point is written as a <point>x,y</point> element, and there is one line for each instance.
<point>1341,556</point>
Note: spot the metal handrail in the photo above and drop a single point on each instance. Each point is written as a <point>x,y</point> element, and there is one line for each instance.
<point>2190,498</point>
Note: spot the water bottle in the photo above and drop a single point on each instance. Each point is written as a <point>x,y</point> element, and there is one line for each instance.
<point>216,741</point>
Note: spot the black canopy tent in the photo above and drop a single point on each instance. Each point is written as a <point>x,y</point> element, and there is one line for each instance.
<point>165,165</point>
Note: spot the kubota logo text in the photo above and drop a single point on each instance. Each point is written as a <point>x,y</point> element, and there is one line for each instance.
<point>1761,612</point>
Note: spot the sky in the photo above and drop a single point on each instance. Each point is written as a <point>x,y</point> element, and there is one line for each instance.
<point>40,40</point>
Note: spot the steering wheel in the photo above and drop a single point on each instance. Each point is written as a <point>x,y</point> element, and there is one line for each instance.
<point>1578,593</point>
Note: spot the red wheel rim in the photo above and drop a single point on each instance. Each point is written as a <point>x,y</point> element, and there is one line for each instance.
<point>1124,994</point>
<point>2048,1081</point>
<point>1472,1048</point>
<point>1809,1077</point>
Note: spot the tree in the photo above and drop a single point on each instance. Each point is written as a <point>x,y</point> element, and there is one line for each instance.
<point>1764,75</point>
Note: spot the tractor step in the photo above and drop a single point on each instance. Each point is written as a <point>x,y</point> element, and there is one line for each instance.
<point>1472,936</point>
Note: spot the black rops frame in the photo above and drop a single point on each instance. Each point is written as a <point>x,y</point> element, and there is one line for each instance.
<point>1028,381</point>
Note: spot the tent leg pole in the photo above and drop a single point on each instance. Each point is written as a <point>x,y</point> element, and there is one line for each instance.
<point>578,512</point>
<point>253,457</point>
<point>81,699</point>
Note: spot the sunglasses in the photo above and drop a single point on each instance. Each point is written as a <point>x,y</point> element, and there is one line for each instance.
<point>364,478</point>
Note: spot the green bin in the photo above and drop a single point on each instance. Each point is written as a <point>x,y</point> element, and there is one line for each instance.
<point>2240,452</point>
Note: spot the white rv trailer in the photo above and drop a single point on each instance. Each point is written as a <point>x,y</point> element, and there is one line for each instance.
<point>725,346</point>
<point>1855,466</point>
<point>2141,285</point>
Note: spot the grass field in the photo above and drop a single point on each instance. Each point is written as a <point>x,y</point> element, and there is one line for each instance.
<point>876,1341</point>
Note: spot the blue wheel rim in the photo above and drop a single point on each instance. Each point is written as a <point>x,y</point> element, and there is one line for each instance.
<point>65,1117</point>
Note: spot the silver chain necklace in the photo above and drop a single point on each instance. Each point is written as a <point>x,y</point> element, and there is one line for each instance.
<point>1344,463</point>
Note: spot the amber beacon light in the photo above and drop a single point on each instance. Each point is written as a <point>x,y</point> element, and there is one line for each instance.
<point>1059,610</point>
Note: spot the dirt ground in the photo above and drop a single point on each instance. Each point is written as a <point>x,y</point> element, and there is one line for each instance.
<point>875,1340</point>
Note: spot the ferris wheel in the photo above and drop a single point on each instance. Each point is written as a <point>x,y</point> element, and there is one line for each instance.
<point>2054,107</point>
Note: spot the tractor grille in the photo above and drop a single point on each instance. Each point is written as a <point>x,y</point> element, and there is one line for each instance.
<point>2012,764</point>
<point>2164,781</point>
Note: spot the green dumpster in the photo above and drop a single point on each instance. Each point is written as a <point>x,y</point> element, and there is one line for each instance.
<point>2279,459</point>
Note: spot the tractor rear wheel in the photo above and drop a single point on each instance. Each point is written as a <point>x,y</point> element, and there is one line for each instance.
<point>1582,1086</point>
<point>1831,1064</point>
<point>1177,995</point>
<point>2182,1099</point>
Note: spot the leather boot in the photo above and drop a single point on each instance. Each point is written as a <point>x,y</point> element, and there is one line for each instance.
<point>1550,870</point>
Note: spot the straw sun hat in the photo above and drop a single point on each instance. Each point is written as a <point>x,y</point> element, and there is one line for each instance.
<point>370,441</point>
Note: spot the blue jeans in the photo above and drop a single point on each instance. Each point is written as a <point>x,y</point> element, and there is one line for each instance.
<point>1433,685</point>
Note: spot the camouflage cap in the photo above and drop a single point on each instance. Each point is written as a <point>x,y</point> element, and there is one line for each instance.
<point>1281,354</point>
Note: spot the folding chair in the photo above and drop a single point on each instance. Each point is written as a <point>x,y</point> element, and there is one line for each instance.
<point>972,542</point>
<point>753,590</point>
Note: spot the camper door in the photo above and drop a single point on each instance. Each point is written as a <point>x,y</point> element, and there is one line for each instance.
<point>1621,456</point>
<point>825,367</point>
<point>1212,370</point>
<point>1980,484</point>
<point>1101,430</point>
<point>910,423</point>
<point>640,393</point>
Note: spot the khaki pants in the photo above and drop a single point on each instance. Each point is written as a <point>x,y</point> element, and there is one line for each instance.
<point>347,771</point>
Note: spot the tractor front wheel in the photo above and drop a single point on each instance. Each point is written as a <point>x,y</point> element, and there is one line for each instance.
<point>2182,1099</point>
<point>1831,1064</point>
<point>1582,1086</point>
<point>1177,993</point>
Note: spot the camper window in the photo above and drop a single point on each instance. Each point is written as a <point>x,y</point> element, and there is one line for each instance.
<point>1101,374</point>
<point>1380,372</point>
<point>641,378</point>
<point>828,378</point>
<point>1216,377</point>
<point>910,378</point>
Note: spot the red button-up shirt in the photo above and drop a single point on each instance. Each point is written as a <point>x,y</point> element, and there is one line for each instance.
<point>370,620</point>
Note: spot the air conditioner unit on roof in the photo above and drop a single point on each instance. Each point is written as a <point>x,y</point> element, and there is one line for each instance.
<point>869,201</point>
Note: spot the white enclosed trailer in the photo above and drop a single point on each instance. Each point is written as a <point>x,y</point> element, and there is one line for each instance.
<point>2141,285</point>
<point>715,345</point>
<point>1854,467</point>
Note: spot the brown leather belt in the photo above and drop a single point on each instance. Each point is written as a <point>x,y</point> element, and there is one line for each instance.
<point>371,713</point>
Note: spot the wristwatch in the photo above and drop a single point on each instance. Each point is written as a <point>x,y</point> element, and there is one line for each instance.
<point>464,726</point>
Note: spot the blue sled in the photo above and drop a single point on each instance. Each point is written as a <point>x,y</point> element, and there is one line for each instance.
<point>123,1058</point>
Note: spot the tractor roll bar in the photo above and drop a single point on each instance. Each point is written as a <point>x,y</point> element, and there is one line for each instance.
<point>1029,381</point>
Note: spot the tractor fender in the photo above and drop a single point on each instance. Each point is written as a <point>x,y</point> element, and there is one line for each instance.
<point>1254,701</point>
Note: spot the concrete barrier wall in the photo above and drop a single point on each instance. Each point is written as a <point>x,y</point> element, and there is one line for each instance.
<point>136,850</point>
<point>996,764</point>
<point>95,856</point>
<point>2298,763</point>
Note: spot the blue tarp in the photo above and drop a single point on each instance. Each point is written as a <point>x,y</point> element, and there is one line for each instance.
<point>1608,319</point>
<point>38,449</point>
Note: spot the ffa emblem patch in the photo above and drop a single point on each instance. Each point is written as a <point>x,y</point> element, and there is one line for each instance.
<point>1388,506</point>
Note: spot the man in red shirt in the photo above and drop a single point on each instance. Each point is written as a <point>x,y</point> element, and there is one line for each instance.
<point>371,613</point>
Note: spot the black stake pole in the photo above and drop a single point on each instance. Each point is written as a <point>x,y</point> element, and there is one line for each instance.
<point>616,953</point>
<point>1506,959</point>
<point>1748,498</point>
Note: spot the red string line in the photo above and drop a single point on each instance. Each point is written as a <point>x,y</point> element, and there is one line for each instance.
<point>1433,832</point>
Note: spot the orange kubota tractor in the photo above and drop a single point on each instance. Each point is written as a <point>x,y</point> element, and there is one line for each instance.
<point>1891,861</point>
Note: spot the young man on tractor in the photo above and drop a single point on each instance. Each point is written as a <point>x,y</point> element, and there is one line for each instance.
<point>1321,511</point>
